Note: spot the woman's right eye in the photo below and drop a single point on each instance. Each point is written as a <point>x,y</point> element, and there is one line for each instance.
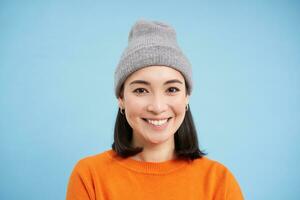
<point>140,91</point>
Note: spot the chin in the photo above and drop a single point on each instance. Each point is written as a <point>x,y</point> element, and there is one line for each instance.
<point>160,140</point>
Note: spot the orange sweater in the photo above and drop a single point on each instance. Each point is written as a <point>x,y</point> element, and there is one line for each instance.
<point>107,176</point>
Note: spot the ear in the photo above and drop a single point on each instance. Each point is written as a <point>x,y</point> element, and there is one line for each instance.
<point>187,99</point>
<point>121,103</point>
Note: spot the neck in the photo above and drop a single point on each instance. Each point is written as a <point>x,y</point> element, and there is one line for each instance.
<point>157,152</point>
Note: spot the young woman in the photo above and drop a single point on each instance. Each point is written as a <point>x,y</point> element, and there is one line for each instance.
<point>155,154</point>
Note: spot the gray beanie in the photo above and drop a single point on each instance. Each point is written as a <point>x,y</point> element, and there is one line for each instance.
<point>152,43</point>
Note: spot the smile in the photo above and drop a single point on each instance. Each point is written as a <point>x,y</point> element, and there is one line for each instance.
<point>159,122</point>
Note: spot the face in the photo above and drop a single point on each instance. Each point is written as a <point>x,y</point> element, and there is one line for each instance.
<point>154,99</point>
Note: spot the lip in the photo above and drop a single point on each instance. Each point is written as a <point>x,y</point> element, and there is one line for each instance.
<point>157,128</point>
<point>162,118</point>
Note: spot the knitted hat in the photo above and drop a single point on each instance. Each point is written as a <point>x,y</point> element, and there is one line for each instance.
<point>151,43</point>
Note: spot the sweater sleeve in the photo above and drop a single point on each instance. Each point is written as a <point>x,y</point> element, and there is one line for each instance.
<point>233,190</point>
<point>80,185</point>
<point>228,187</point>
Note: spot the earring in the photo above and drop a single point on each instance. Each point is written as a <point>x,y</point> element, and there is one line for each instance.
<point>187,107</point>
<point>121,111</point>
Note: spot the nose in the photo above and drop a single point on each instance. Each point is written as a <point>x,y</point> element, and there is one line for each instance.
<point>157,105</point>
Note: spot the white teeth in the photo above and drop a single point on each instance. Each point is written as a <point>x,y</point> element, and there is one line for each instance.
<point>157,122</point>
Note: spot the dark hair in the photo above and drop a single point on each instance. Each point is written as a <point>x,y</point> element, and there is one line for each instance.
<point>186,141</point>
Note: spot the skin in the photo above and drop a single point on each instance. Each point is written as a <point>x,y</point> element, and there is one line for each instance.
<point>156,93</point>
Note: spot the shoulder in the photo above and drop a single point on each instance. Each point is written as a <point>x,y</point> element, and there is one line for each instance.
<point>209,164</point>
<point>211,168</point>
<point>218,176</point>
<point>100,160</point>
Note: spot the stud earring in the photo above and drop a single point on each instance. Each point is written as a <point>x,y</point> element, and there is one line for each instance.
<point>187,107</point>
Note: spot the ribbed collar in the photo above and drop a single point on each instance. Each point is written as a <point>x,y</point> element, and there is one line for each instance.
<point>158,168</point>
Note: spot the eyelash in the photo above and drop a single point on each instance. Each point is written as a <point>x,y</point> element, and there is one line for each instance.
<point>177,90</point>
<point>138,90</point>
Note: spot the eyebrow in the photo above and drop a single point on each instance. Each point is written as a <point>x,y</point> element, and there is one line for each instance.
<point>147,83</point>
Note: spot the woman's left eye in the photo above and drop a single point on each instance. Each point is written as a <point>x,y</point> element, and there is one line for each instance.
<point>173,90</point>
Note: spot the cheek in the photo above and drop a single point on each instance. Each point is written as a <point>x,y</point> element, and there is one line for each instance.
<point>133,107</point>
<point>179,105</point>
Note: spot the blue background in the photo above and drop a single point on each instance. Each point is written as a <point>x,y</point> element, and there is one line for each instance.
<point>57,60</point>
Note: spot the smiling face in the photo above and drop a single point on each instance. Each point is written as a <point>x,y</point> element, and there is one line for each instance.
<point>154,99</point>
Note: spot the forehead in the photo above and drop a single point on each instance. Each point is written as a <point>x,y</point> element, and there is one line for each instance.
<point>155,74</point>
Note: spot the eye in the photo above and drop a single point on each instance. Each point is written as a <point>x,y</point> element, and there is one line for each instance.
<point>173,90</point>
<point>140,91</point>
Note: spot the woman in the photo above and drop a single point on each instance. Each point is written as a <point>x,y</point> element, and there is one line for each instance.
<point>155,154</point>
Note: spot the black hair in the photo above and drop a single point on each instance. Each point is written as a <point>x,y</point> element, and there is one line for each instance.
<point>186,141</point>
